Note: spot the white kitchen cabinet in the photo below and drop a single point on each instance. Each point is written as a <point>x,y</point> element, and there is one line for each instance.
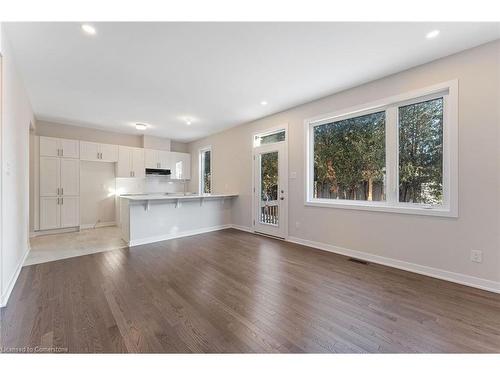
<point>91,151</point>
<point>109,153</point>
<point>50,213</point>
<point>180,166</point>
<point>151,158</point>
<point>49,146</point>
<point>59,176</point>
<point>59,192</point>
<point>70,211</point>
<point>138,162</point>
<point>60,147</point>
<point>59,212</point>
<point>70,177</point>
<point>50,176</point>
<point>130,162</point>
<point>157,159</point>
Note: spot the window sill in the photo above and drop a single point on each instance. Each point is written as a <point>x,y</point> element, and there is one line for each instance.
<point>383,207</point>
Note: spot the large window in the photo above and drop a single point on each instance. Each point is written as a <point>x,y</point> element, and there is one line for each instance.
<point>400,155</point>
<point>205,170</point>
<point>349,158</point>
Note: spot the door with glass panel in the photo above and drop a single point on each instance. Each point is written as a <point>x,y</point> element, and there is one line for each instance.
<point>270,189</point>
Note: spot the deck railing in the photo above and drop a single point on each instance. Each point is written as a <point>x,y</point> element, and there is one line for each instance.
<point>269,212</point>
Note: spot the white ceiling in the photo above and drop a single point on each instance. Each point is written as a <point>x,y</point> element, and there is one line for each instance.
<point>214,73</point>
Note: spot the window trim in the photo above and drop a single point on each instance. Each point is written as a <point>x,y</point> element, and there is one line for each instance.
<point>201,179</point>
<point>449,208</point>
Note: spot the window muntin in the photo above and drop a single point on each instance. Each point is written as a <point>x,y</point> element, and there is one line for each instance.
<point>206,171</point>
<point>421,152</point>
<point>349,158</point>
<point>445,204</point>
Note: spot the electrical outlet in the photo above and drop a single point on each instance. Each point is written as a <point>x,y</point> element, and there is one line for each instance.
<point>476,256</point>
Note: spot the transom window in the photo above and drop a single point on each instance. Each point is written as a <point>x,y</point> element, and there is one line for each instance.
<point>274,136</point>
<point>398,155</point>
<point>205,164</point>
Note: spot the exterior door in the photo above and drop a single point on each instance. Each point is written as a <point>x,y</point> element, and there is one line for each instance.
<point>271,190</point>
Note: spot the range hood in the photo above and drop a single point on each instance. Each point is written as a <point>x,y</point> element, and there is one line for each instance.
<point>157,172</point>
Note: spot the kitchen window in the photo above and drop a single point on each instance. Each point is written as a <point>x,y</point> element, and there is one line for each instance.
<point>205,170</point>
<point>399,154</point>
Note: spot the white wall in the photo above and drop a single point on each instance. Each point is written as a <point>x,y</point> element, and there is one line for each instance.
<point>16,118</point>
<point>97,187</point>
<point>439,246</point>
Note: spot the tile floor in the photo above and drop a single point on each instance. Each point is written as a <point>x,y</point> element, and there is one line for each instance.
<point>67,245</point>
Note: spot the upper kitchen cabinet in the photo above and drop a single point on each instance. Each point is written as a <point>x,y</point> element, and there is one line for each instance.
<point>157,159</point>
<point>92,151</point>
<point>130,162</point>
<point>60,147</point>
<point>180,165</point>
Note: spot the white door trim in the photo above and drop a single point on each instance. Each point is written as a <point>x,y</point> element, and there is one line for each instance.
<point>285,180</point>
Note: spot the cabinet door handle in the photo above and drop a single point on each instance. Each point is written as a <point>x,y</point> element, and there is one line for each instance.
<point>62,152</point>
<point>62,201</point>
<point>62,191</point>
<point>58,201</point>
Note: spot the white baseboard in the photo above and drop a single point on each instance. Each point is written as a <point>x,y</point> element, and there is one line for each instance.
<point>98,225</point>
<point>171,236</point>
<point>53,231</point>
<point>458,278</point>
<point>242,228</point>
<point>5,296</point>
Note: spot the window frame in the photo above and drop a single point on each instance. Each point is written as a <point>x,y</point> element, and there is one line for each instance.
<point>449,208</point>
<point>201,179</point>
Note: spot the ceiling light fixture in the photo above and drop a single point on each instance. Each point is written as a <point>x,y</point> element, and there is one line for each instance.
<point>432,34</point>
<point>89,29</point>
<point>140,126</point>
<point>188,121</point>
<point>263,102</point>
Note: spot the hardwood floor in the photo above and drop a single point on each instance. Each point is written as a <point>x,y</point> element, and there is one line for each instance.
<point>231,291</point>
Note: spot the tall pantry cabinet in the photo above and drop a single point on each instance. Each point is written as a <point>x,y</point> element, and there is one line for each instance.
<point>59,183</point>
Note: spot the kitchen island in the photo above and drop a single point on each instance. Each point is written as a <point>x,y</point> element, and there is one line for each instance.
<point>147,218</point>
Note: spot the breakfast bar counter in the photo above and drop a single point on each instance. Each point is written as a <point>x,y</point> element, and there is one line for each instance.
<point>146,218</point>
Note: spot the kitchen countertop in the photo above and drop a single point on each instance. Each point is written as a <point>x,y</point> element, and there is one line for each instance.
<point>173,196</point>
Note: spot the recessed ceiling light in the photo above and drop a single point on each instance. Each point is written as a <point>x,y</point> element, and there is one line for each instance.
<point>263,102</point>
<point>140,126</point>
<point>89,29</point>
<point>432,34</point>
<point>188,121</point>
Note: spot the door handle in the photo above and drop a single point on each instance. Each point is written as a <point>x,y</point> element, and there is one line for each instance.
<point>62,201</point>
<point>62,191</point>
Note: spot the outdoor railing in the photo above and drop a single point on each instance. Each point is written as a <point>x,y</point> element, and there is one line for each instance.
<point>269,212</point>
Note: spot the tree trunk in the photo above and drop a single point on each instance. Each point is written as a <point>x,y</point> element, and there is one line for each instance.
<point>370,189</point>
